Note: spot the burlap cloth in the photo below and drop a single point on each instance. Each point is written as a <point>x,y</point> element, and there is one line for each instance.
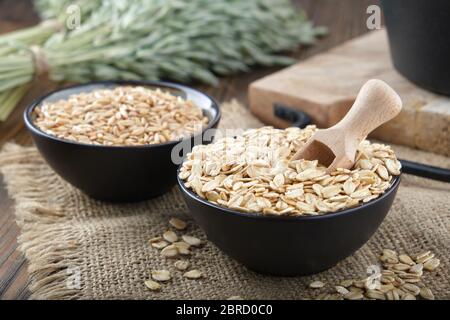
<point>79,248</point>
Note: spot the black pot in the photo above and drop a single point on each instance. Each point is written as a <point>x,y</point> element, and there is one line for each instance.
<point>419,38</point>
<point>289,246</point>
<point>117,173</point>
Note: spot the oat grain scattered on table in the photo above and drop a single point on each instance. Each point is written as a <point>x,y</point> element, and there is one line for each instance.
<point>192,241</point>
<point>172,248</point>
<point>399,279</point>
<point>152,285</point>
<point>158,243</point>
<point>193,274</point>
<point>316,284</point>
<point>170,236</point>
<point>181,265</point>
<point>171,251</point>
<point>342,290</point>
<point>161,275</point>
<point>178,223</point>
<point>182,247</point>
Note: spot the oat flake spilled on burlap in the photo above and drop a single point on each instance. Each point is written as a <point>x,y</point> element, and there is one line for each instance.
<point>79,248</point>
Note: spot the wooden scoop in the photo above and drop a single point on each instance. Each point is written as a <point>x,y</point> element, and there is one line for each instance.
<point>336,146</point>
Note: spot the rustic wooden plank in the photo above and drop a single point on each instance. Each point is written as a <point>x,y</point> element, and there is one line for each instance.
<point>8,242</point>
<point>10,268</point>
<point>18,284</point>
<point>346,19</point>
<point>13,275</point>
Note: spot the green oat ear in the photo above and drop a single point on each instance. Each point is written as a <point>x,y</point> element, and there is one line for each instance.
<point>184,41</point>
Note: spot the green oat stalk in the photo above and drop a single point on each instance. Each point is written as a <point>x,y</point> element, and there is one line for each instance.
<point>184,41</point>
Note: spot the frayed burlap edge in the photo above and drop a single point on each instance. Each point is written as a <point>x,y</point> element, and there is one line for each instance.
<point>42,227</point>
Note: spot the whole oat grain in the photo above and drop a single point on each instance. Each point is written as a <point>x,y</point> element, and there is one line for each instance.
<point>124,115</point>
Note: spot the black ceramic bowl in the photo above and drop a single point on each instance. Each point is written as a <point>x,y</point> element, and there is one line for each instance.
<point>289,246</point>
<point>118,173</point>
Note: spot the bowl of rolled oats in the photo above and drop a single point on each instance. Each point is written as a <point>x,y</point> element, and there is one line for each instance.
<point>284,217</point>
<point>116,140</point>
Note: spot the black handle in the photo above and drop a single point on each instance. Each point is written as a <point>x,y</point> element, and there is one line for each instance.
<point>300,119</point>
<point>426,171</point>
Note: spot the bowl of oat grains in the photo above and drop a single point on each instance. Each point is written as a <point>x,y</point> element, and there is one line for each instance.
<point>283,217</point>
<point>114,140</point>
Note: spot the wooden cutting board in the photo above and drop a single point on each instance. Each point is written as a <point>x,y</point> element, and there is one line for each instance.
<point>326,85</point>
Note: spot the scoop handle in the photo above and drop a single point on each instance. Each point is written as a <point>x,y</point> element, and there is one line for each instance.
<point>375,104</point>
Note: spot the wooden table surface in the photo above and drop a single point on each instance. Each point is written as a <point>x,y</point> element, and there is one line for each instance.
<point>344,18</point>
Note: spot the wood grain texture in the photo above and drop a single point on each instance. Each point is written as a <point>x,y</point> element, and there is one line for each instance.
<point>423,122</point>
<point>336,146</point>
<point>344,18</point>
